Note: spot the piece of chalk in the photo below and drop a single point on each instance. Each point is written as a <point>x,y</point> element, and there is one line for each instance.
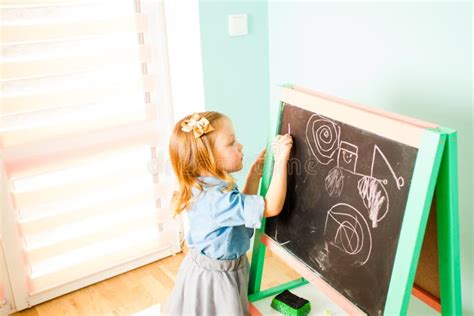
<point>327,313</point>
<point>289,128</point>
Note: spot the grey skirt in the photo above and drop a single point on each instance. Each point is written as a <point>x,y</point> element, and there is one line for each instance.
<point>208,287</point>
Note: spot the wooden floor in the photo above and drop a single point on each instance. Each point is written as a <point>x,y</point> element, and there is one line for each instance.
<point>139,291</point>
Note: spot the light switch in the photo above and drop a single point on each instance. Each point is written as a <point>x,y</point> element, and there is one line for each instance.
<point>238,24</point>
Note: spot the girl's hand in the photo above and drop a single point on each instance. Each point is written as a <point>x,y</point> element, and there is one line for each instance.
<point>257,166</point>
<point>276,193</point>
<point>281,147</point>
<point>253,179</point>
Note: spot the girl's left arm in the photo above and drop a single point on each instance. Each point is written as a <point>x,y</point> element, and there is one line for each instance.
<point>254,176</point>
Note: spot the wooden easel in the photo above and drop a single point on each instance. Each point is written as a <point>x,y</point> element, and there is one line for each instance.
<point>434,187</point>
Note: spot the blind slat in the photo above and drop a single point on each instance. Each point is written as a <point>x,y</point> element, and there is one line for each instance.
<point>47,67</point>
<point>45,2</point>
<point>71,128</point>
<point>131,248</point>
<point>40,101</point>
<point>73,190</point>
<point>42,156</point>
<point>86,203</point>
<point>73,113</point>
<point>32,33</point>
<point>97,165</point>
<point>108,231</point>
<point>39,223</point>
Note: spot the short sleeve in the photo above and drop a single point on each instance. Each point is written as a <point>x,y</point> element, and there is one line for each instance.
<point>234,209</point>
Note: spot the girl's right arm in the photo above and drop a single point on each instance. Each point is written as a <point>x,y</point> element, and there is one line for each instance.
<point>275,197</point>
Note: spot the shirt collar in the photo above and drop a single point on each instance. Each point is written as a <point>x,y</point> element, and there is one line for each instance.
<point>210,181</point>
<point>207,182</point>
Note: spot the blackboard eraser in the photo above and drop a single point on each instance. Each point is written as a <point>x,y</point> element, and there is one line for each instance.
<point>288,303</point>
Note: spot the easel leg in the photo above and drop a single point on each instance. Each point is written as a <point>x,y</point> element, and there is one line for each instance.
<point>258,257</point>
<point>448,229</point>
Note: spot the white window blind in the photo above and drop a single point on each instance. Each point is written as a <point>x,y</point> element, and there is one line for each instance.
<point>6,305</point>
<point>84,121</point>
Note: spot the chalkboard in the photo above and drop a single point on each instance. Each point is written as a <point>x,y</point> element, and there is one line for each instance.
<point>346,196</point>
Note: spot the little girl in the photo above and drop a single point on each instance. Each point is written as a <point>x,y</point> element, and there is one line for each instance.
<point>213,277</point>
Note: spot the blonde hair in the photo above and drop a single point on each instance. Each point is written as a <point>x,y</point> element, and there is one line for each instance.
<point>193,157</point>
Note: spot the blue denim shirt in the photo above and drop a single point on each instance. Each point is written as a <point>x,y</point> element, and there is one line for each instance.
<point>222,223</point>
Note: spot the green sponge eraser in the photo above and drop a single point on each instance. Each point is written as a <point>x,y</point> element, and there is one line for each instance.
<point>288,303</point>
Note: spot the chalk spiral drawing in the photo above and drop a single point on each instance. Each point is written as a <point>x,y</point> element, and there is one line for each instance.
<point>322,136</point>
<point>324,143</point>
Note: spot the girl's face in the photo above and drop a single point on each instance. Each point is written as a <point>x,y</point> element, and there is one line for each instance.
<point>228,151</point>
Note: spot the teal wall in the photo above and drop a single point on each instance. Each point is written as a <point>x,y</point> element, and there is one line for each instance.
<point>413,59</point>
<point>235,71</point>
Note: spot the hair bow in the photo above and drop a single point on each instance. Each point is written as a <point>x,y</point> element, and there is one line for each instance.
<point>199,125</point>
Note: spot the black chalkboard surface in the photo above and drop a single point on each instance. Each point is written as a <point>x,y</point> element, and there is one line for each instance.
<point>346,196</point>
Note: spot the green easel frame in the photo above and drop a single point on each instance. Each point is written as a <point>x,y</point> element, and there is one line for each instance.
<point>436,169</point>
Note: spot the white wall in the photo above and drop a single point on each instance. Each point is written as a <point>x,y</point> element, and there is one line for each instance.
<point>185,60</point>
<point>413,59</point>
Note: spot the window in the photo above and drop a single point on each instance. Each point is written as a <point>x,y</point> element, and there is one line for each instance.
<point>85,118</point>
